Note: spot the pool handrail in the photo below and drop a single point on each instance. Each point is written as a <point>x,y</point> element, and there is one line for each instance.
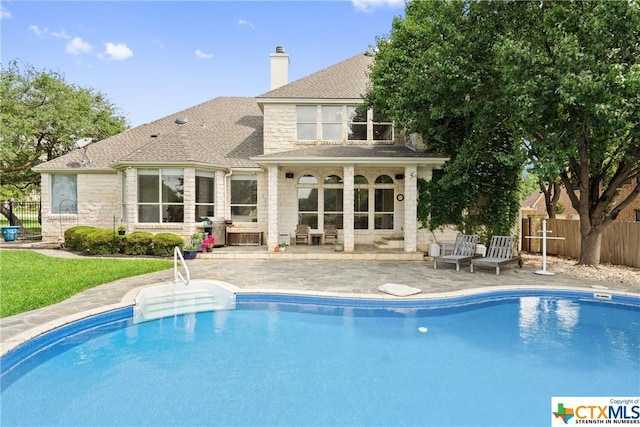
<point>177,276</point>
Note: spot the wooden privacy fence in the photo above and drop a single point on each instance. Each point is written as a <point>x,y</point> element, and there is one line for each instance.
<point>620,241</point>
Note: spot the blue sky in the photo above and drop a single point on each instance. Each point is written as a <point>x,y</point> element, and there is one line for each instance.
<point>154,58</point>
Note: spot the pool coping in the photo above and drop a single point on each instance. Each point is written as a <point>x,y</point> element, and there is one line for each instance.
<point>129,300</point>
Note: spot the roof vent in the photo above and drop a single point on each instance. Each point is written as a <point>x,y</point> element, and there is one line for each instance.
<point>181,120</point>
<point>279,49</point>
<point>154,135</point>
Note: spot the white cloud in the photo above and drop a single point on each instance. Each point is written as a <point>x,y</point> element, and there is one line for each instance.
<point>117,52</point>
<point>369,5</point>
<point>60,35</point>
<point>245,23</point>
<point>37,30</point>
<point>201,54</point>
<point>44,32</point>
<point>4,13</point>
<point>77,46</point>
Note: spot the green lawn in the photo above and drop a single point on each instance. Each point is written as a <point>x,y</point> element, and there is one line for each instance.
<point>29,280</point>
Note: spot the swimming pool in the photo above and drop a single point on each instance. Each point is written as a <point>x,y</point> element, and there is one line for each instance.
<point>495,359</point>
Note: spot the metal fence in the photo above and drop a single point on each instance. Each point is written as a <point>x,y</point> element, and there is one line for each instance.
<point>620,240</point>
<point>25,215</point>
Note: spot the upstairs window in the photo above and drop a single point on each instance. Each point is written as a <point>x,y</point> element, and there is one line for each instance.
<point>331,123</point>
<point>306,123</point>
<point>382,128</point>
<point>357,124</point>
<point>340,123</point>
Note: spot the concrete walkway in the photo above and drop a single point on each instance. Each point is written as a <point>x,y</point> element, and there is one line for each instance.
<point>337,277</point>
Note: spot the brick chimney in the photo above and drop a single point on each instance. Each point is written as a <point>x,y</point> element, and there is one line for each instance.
<point>279,68</point>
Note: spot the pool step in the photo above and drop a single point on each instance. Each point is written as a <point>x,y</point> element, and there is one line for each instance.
<point>167,300</point>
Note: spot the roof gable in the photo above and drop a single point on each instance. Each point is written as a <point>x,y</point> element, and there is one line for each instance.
<point>345,80</point>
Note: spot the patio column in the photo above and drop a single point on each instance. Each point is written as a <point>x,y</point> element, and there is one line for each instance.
<point>410,208</point>
<point>272,207</point>
<point>348,214</point>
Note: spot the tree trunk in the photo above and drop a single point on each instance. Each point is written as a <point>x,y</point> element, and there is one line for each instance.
<point>551,193</point>
<point>8,213</point>
<point>590,248</point>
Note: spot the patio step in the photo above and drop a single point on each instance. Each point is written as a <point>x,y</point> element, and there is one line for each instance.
<point>390,243</point>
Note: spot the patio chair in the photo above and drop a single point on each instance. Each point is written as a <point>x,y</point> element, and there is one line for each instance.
<point>330,232</point>
<point>463,250</point>
<point>500,253</point>
<point>302,233</point>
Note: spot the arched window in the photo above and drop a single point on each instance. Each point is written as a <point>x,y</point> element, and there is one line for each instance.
<point>333,198</point>
<point>383,203</point>
<point>333,179</point>
<point>384,179</point>
<point>308,200</point>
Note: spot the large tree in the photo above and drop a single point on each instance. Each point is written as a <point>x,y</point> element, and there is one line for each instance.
<point>559,79</point>
<point>572,72</point>
<point>434,75</point>
<point>41,118</point>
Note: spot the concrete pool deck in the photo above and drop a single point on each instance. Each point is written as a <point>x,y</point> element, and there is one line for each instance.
<point>295,274</point>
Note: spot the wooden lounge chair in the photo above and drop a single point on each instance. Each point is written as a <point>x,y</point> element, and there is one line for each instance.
<point>500,253</point>
<point>463,250</point>
<point>330,232</point>
<point>302,234</point>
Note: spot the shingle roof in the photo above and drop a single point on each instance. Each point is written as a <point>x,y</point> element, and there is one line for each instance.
<point>345,80</point>
<point>225,131</point>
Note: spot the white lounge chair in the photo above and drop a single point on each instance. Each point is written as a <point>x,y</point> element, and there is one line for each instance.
<point>464,250</point>
<point>500,253</point>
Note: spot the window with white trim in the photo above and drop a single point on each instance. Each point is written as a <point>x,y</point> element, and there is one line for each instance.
<point>331,123</point>
<point>308,201</point>
<point>333,201</point>
<point>244,198</point>
<point>306,122</point>
<point>326,123</point>
<point>360,203</point>
<point>383,203</point>
<point>64,194</point>
<point>357,125</point>
<point>160,195</point>
<point>205,195</point>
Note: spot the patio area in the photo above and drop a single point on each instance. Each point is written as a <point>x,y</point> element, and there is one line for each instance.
<point>317,252</point>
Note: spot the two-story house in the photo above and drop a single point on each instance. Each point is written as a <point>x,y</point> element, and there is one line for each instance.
<point>305,152</point>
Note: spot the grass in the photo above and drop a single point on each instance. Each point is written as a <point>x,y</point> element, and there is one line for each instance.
<point>29,280</point>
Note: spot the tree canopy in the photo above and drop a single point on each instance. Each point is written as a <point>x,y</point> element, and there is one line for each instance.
<point>434,75</point>
<point>498,84</point>
<point>41,118</point>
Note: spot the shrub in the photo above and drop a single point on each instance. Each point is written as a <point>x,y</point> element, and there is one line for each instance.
<point>138,243</point>
<point>75,237</point>
<point>163,243</point>
<point>103,242</point>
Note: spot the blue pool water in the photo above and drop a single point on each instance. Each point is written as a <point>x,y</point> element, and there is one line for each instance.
<point>272,363</point>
